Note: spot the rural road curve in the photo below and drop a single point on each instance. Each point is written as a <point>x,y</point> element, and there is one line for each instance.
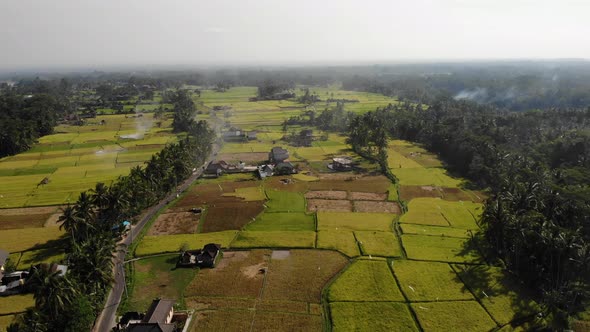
<point>106,320</point>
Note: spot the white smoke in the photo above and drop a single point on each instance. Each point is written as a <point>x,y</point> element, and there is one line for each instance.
<point>476,94</point>
<point>142,125</point>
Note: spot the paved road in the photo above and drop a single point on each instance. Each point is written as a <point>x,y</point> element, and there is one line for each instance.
<point>106,320</point>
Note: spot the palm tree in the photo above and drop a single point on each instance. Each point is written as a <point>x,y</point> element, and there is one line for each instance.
<point>52,291</point>
<point>99,195</point>
<point>69,221</point>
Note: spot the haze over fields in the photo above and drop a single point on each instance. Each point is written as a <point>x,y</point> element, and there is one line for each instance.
<point>98,34</point>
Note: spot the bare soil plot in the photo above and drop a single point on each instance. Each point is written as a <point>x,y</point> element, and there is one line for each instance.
<point>326,194</point>
<point>349,182</point>
<point>22,221</point>
<point>362,196</point>
<point>222,320</point>
<point>231,215</point>
<point>330,205</point>
<point>374,206</point>
<point>281,183</point>
<point>302,275</point>
<point>210,193</point>
<point>175,223</point>
<point>238,274</point>
<point>407,193</point>
<point>280,321</point>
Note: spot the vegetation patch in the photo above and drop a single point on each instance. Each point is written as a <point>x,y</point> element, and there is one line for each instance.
<point>285,201</point>
<point>453,316</point>
<point>343,241</point>
<point>378,243</point>
<point>150,245</point>
<point>350,182</point>
<point>301,275</point>
<point>429,281</point>
<point>282,221</point>
<point>371,316</point>
<point>440,248</point>
<point>425,211</point>
<point>158,277</point>
<point>16,303</point>
<point>425,177</point>
<point>434,231</point>
<point>274,239</point>
<point>408,193</point>
<point>25,238</point>
<point>365,280</point>
<point>5,321</point>
<point>306,178</point>
<point>502,296</point>
<point>33,257</point>
<point>347,221</point>
<point>14,221</point>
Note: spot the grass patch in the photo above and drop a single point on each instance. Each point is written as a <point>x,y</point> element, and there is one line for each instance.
<point>171,243</point>
<point>16,303</point>
<point>502,296</point>
<point>434,231</point>
<point>429,281</point>
<point>439,248</point>
<point>378,243</point>
<point>348,221</point>
<point>158,277</point>
<point>424,211</point>
<point>343,241</point>
<point>282,221</point>
<point>425,177</point>
<point>365,280</point>
<point>274,239</point>
<point>26,238</point>
<point>285,201</point>
<point>29,258</point>
<point>453,316</point>
<point>371,316</point>
<point>5,321</point>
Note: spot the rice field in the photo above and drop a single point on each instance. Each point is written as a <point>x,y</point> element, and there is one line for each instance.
<point>453,316</point>
<point>371,316</point>
<point>77,157</point>
<point>172,243</point>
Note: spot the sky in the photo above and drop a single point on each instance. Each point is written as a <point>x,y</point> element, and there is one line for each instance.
<point>104,33</point>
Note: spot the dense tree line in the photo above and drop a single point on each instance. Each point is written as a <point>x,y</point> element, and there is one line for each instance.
<point>25,118</point>
<point>94,226</point>
<point>536,167</point>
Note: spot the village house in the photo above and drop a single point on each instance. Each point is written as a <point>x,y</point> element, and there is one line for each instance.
<point>158,318</point>
<point>343,163</point>
<point>3,258</point>
<point>205,257</point>
<point>265,171</point>
<point>284,168</point>
<point>238,135</point>
<point>278,155</point>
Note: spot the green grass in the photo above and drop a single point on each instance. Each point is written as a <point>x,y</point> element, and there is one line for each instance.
<point>34,257</point>
<point>371,316</point>
<point>437,212</point>
<point>274,239</point>
<point>5,321</point>
<point>306,178</point>
<point>434,231</point>
<point>16,303</point>
<point>248,194</point>
<point>425,177</point>
<point>453,316</point>
<point>392,193</point>
<point>502,296</point>
<point>429,281</point>
<point>352,221</point>
<point>378,243</point>
<point>284,201</point>
<point>13,240</point>
<point>282,221</point>
<point>342,241</point>
<point>158,277</point>
<point>365,280</point>
<point>438,248</point>
<point>150,245</point>
<point>397,160</point>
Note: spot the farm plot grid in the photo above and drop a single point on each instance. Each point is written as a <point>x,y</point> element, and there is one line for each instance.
<point>322,248</point>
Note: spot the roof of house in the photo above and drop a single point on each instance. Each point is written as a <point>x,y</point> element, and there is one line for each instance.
<point>158,311</point>
<point>284,164</point>
<point>279,153</point>
<point>3,256</point>
<point>151,327</point>
<point>211,249</point>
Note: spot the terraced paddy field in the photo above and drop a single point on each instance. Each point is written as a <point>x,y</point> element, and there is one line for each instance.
<point>323,250</point>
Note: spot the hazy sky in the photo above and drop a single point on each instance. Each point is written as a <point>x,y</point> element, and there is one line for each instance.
<point>98,33</point>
